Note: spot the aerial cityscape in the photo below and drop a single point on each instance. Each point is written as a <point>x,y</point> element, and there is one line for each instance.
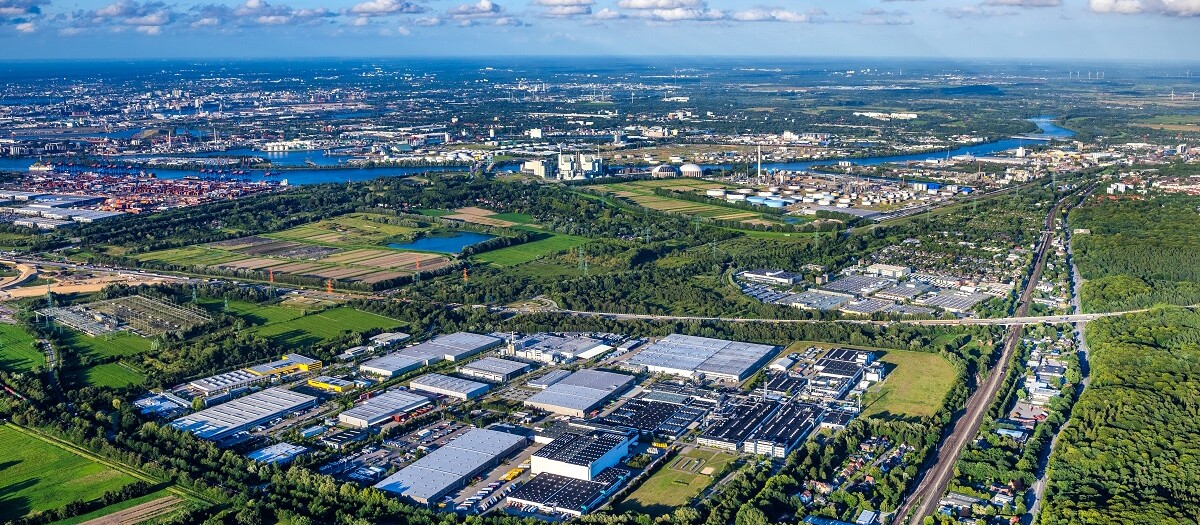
<point>667,262</point>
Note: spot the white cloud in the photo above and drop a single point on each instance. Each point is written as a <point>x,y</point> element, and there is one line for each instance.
<point>770,14</point>
<point>480,12</point>
<point>1024,3</point>
<point>659,4</point>
<point>386,7</point>
<point>26,27</point>
<point>975,11</point>
<point>1183,8</point>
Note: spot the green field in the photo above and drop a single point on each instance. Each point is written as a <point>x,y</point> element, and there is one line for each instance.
<point>916,384</point>
<point>110,375</point>
<point>36,475</point>
<point>318,328</point>
<point>254,314</point>
<point>519,218</point>
<point>673,487</point>
<point>522,253</point>
<point>642,193</point>
<point>435,213</point>
<point>352,229</point>
<point>190,255</point>
<point>120,344</point>
<point>17,352</point>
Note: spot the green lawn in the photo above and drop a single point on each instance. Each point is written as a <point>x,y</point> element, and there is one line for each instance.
<point>110,375</point>
<point>255,314</point>
<point>318,328</point>
<point>523,253</point>
<point>17,352</point>
<point>916,385</point>
<point>36,475</point>
<point>671,487</point>
<point>435,213</point>
<point>121,344</point>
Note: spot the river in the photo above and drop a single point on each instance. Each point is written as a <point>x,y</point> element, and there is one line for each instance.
<point>347,174</point>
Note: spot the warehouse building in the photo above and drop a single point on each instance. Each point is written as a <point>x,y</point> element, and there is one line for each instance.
<point>287,365</point>
<point>548,379</point>
<point>426,480</point>
<point>332,384</point>
<point>780,434</point>
<point>225,420</point>
<point>388,339</point>
<point>227,382</point>
<point>494,369</point>
<point>552,348</point>
<point>455,387</point>
<point>888,270</point>
<point>555,494</point>
<point>381,408</point>
<point>450,347</point>
<point>691,357</point>
<point>581,455</point>
<point>731,432</point>
<point>579,393</point>
<point>277,454</point>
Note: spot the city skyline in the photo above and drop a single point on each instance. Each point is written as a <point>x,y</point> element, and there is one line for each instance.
<point>1014,29</point>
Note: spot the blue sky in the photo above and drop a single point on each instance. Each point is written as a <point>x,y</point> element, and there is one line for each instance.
<point>1026,29</point>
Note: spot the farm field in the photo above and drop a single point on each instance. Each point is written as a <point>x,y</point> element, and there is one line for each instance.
<point>349,248</point>
<point>318,328</point>
<point>36,475</point>
<point>676,483</point>
<point>164,503</point>
<point>253,314</point>
<point>523,253</point>
<point>916,384</point>
<point>17,352</point>
<point>642,193</point>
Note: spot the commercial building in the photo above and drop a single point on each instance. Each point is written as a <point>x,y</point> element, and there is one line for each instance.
<point>579,393</point>
<point>426,480</point>
<point>548,379</point>
<point>455,387</point>
<point>555,494</point>
<point>691,356</point>
<point>332,384</point>
<point>778,277</point>
<point>888,270</point>
<point>381,408</point>
<point>581,455</point>
<point>857,286</point>
<point>287,365</point>
<point>277,454</point>
<point>551,348</point>
<point>905,291</point>
<point>388,339</point>
<point>655,413</point>
<point>815,300</point>
<point>730,431</point>
<point>450,347</point>
<point>227,382</point>
<point>225,420</point>
<point>494,369</point>
<point>780,434</point>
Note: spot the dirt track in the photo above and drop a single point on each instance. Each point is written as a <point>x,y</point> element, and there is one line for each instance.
<point>139,513</point>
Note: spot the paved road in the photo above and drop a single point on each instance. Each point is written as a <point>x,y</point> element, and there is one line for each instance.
<point>924,499</point>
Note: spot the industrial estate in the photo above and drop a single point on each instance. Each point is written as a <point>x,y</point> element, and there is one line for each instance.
<point>349,292</point>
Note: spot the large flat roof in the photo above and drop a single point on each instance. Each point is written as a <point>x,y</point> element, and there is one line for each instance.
<point>582,390</point>
<point>579,448</point>
<point>385,405</point>
<point>496,365</point>
<point>438,472</point>
<point>439,383</point>
<point>239,414</point>
<point>690,354</point>
<point>395,362</point>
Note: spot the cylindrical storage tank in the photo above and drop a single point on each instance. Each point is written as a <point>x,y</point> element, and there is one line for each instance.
<point>766,194</point>
<point>809,200</point>
<point>843,205</point>
<point>824,202</point>
<point>794,187</point>
<point>691,170</point>
<point>715,192</point>
<point>844,200</point>
<point>745,191</point>
<point>736,197</point>
<point>775,203</point>
<point>756,200</point>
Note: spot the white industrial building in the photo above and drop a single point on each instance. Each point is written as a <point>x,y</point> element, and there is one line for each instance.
<point>580,392</point>
<point>494,369</point>
<point>450,347</point>
<point>581,455</point>
<point>691,356</point>
<point>381,408</point>
<point>455,387</point>
<point>227,419</point>
<point>453,465</point>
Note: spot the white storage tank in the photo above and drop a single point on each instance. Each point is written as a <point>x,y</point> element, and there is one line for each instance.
<point>735,197</point>
<point>718,192</point>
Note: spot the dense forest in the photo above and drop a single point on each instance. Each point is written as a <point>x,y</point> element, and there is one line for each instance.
<point>1128,454</point>
<point>1138,252</point>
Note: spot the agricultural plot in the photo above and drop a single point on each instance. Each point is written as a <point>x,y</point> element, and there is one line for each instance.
<point>109,375</point>
<point>476,215</point>
<point>523,253</point>
<point>348,248</point>
<point>325,326</point>
<point>36,475</point>
<point>916,385</point>
<point>17,351</point>
<point>676,483</point>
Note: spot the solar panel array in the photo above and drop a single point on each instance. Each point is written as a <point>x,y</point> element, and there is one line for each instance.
<point>580,449</point>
